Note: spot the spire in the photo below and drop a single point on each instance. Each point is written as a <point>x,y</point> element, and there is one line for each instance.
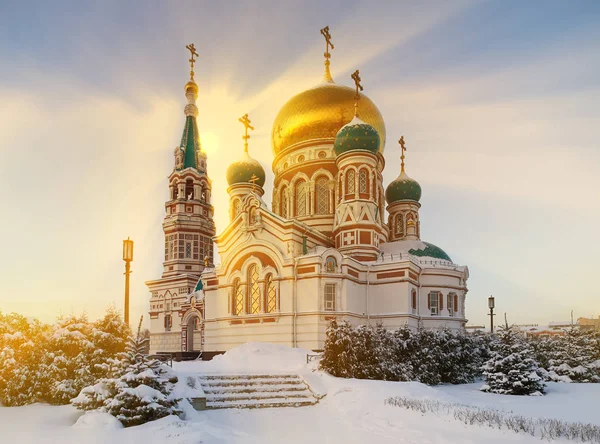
<point>327,35</point>
<point>246,122</point>
<point>357,80</point>
<point>403,148</point>
<point>190,140</point>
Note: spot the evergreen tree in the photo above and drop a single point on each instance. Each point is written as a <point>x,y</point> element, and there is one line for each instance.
<point>512,370</point>
<point>141,393</point>
<point>574,357</point>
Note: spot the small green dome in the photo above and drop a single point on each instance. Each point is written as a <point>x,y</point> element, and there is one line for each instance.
<point>243,169</point>
<point>357,135</point>
<point>430,250</point>
<point>403,188</point>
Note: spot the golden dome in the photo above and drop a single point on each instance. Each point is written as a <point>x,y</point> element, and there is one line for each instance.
<point>319,113</point>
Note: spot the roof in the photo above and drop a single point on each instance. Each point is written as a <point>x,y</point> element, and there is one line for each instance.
<point>416,248</point>
<point>190,142</point>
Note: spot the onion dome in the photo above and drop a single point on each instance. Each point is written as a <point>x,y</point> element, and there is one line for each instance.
<point>357,135</point>
<point>319,113</point>
<point>191,87</point>
<point>403,188</point>
<point>242,171</point>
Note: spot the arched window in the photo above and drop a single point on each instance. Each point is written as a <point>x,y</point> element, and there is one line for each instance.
<point>399,225</point>
<point>253,290</point>
<point>237,208</point>
<point>270,295</point>
<point>322,196</point>
<point>350,179</point>
<point>189,189</point>
<point>175,191</point>
<point>300,198</point>
<point>238,298</point>
<point>284,199</point>
<point>363,182</point>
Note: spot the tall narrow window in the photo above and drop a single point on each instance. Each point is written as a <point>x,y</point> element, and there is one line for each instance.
<point>329,299</point>
<point>433,303</point>
<point>253,290</point>
<point>363,182</point>
<point>188,250</point>
<point>189,189</point>
<point>270,295</point>
<point>350,182</point>
<point>238,298</point>
<point>450,304</point>
<point>455,303</point>
<point>284,198</point>
<point>237,208</point>
<point>399,225</point>
<point>322,194</point>
<point>414,301</point>
<point>300,198</point>
<point>168,322</point>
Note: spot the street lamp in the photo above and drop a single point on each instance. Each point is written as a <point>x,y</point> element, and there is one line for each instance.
<point>491,305</point>
<point>127,257</point>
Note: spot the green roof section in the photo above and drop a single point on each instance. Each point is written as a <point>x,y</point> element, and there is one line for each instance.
<point>357,135</point>
<point>430,251</point>
<point>190,142</point>
<point>242,170</point>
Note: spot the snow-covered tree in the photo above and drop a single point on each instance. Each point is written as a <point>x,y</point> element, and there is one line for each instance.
<point>573,357</point>
<point>109,335</point>
<point>141,393</point>
<point>512,369</point>
<point>21,351</point>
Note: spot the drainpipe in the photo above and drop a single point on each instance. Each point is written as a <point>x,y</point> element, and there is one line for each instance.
<point>294,303</point>
<point>368,315</point>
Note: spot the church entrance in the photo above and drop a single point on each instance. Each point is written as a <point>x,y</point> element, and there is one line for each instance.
<point>194,334</point>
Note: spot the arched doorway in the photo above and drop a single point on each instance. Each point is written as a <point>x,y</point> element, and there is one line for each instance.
<point>194,333</point>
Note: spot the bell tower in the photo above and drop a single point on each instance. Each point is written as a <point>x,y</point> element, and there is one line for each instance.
<point>188,224</point>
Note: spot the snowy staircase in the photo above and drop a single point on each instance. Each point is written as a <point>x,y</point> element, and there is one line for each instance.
<point>256,391</point>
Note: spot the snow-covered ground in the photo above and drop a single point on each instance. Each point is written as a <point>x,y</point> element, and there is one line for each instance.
<point>352,412</point>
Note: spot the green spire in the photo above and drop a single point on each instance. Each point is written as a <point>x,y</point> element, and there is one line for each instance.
<point>190,142</point>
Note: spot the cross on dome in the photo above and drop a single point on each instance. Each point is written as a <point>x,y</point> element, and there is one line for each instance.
<point>403,148</point>
<point>192,49</point>
<point>327,54</point>
<point>357,80</point>
<point>245,120</point>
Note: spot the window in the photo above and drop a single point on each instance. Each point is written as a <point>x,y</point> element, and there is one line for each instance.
<point>168,322</point>
<point>196,323</point>
<point>330,297</point>
<point>399,225</point>
<point>330,265</point>
<point>237,208</point>
<point>188,250</point>
<point>363,182</point>
<point>450,304</point>
<point>300,198</point>
<point>253,290</point>
<point>189,189</point>
<point>322,196</point>
<point>284,202</point>
<point>434,304</point>
<point>270,295</point>
<point>175,192</point>
<point>414,301</point>
<point>350,179</point>
<point>238,298</point>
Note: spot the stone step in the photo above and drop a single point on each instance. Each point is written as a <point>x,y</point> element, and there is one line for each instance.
<point>304,395</point>
<point>257,403</point>
<point>254,388</point>
<point>248,382</point>
<point>250,376</point>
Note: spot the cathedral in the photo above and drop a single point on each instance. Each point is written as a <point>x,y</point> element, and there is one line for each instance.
<point>333,244</point>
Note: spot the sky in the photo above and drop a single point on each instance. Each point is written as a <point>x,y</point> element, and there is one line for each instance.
<point>497,100</point>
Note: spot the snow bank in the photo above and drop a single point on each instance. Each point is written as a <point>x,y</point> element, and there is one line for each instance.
<point>252,357</point>
<point>98,420</point>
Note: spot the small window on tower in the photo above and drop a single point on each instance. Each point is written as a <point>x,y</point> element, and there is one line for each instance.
<point>188,250</point>
<point>329,297</point>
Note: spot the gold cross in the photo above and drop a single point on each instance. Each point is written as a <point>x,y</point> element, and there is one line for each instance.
<point>192,60</point>
<point>246,122</point>
<point>403,148</point>
<point>357,80</point>
<point>253,179</point>
<point>327,35</point>
<point>325,32</point>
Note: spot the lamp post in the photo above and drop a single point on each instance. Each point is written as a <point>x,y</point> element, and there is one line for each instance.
<point>127,257</point>
<point>491,305</point>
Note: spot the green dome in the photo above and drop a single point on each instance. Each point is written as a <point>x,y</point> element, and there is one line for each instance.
<point>430,250</point>
<point>403,188</point>
<point>242,170</point>
<point>357,135</point>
